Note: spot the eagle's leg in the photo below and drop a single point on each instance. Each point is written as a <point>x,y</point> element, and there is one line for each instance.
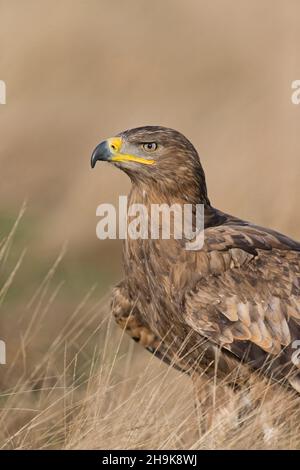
<point>211,400</point>
<point>127,316</point>
<point>256,403</point>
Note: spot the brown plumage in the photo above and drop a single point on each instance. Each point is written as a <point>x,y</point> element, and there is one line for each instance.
<point>231,307</point>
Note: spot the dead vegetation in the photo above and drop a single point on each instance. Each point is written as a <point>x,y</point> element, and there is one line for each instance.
<point>92,388</point>
<point>71,380</point>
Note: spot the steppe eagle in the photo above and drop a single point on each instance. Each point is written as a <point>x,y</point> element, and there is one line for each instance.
<point>232,305</point>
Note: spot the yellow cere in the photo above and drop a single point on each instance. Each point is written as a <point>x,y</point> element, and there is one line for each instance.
<point>115,144</point>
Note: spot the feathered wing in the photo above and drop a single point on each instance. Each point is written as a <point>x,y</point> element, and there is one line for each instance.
<point>248,299</point>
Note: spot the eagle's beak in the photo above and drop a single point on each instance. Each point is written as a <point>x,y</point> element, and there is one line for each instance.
<point>101,152</point>
<point>109,150</point>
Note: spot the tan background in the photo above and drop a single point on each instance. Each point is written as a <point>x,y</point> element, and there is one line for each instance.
<point>78,71</point>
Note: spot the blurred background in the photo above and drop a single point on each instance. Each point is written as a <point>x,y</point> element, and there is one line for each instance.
<point>78,71</point>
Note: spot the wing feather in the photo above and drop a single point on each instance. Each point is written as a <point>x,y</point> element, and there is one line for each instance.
<point>250,293</point>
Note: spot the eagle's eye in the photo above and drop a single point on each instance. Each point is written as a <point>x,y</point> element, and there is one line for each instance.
<point>149,146</point>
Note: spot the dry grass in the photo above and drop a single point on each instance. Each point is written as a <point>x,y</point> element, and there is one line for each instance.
<point>94,389</point>
<point>221,73</point>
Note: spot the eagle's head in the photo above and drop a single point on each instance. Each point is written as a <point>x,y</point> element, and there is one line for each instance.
<point>154,156</point>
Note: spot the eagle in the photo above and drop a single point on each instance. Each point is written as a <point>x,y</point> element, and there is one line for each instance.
<point>228,309</point>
